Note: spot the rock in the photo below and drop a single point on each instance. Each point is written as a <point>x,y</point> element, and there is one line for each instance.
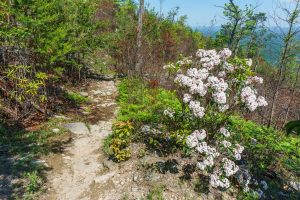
<point>96,100</point>
<point>98,92</point>
<point>104,178</point>
<point>67,157</point>
<point>85,94</point>
<point>106,105</point>
<point>108,164</point>
<point>108,93</point>
<point>40,162</point>
<point>77,128</point>
<point>135,177</point>
<point>55,130</point>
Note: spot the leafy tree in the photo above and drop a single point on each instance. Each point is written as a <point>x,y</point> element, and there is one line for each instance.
<point>242,25</point>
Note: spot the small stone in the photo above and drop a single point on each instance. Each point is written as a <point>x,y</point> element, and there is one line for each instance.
<point>98,92</point>
<point>85,113</point>
<point>55,130</point>
<point>40,162</point>
<point>104,178</point>
<point>135,177</point>
<point>95,100</point>
<point>108,93</point>
<point>85,94</point>
<point>67,157</point>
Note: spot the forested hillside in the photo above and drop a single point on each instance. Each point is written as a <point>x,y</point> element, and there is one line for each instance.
<point>115,100</point>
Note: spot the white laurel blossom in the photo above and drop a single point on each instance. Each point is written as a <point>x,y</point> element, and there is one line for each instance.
<point>224,131</point>
<point>169,113</point>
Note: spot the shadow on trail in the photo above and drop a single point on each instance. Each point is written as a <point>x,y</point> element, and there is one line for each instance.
<point>20,153</point>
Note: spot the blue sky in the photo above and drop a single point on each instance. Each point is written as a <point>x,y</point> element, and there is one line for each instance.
<point>201,12</point>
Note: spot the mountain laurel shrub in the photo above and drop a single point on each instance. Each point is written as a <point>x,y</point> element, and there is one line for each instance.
<point>211,86</point>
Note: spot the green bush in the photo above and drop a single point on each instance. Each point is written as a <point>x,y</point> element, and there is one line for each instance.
<point>56,33</point>
<point>267,148</point>
<point>119,141</point>
<point>141,104</point>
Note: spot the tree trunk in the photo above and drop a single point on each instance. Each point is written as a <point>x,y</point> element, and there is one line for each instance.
<point>139,55</point>
<point>282,64</point>
<point>292,96</point>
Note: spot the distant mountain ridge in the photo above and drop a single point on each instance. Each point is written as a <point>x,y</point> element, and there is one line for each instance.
<point>273,45</point>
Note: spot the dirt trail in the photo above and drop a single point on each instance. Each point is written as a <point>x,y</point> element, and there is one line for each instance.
<point>73,174</point>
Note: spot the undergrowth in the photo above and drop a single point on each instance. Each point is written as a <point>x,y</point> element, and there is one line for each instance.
<point>270,154</point>
<point>76,98</point>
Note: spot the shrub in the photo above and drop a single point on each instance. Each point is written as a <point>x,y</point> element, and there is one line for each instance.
<point>267,149</point>
<point>120,140</point>
<point>141,104</point>
<point>212,86</point>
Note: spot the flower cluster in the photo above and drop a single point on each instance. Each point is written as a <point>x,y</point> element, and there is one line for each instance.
<point>201,81</point>
<point>185,61</point>
<point>169,113</point>
<point>248,96</point>
<point>209,59</point>
<point>193,139</point>
<point>196,108</point>
<point>229,166</point>
<point>212,155</point>
<point>214,84</point>
<point>215,181</point>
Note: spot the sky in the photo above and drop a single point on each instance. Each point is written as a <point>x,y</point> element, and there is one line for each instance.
<point>202,12</point>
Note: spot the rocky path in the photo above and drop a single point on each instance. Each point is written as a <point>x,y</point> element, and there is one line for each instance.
<point>72,176</point>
